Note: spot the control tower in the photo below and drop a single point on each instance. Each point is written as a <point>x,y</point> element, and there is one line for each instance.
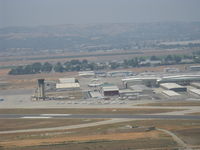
<point>41,90</point>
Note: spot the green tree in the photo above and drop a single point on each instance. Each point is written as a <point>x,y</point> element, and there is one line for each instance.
<point>177,58</point>
<point>154,58</point>
<point>28,69</point>
<point>58,67</point>
<point>47,67</point>
<point>16,71</point>
<point>114,65</point>
<point>142,59</point>
<point>75,62</point>
<point>36,67</point>
<point>84,61</point>
<point>168,58</point>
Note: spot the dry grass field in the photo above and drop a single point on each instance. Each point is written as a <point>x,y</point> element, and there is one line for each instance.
<point>106,141</point>
<point>116,136</point>
<point>29,81</point>
<point>197,113</point>
<point>17,124</point>
<point>107,145</point>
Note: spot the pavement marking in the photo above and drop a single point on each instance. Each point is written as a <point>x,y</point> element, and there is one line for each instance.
<point>55,115</point>
<point>34,117</point>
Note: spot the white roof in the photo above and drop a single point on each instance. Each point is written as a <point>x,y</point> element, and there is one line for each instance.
<point>95,95</point>
<point>196,84</point>
<point>140,78</point>
<point>194,66</point>
<point>171,85</point>
<point>67,80</point>
<point>94,84</point>
<point>110,88</point>
<point>126,91</point>
<point>140,87</point>
<point>67,85</point>
<point>196,91</point>
<point>86,73</point>
<point>181,76</point>
<point>170,93</point>
<point>120,71</point>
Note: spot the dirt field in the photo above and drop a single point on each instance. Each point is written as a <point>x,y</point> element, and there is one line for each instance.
<point>173,103</point>
<point>88,111</point>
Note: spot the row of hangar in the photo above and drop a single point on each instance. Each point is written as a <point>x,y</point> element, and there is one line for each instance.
<point>153,81</point>
<point>142,87</point>
<point>171,86</point>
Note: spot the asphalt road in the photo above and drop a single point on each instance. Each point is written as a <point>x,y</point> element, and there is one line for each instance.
<point>93,116</point>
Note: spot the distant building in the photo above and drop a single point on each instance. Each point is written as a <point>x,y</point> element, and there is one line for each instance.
<point>193,91</point>
<point>50,85</point>
<point>186,61</point>
<point>142,89</point>
<point>86,73</point>
<point>151,62</point>
<point>173,86</point>
<point>171,70</point>
<point>194,68</point>
<point>148,81</point>
<point>68,80</point>
<point>67,86</point>
<point>41,90</point>
<point>101,74</point>
<point>180,79</point>
<point>95,94</point>
<point>110,90</point>
<point>171,94</point>
<point>94,85</point>
<point>120,73</point>
<point>196,85</point>
<point>127,92</point>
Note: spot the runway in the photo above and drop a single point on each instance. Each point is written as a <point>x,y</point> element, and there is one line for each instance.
<point>96,116</point>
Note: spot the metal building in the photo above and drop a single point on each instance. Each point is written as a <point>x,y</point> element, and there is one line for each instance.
<point>194,68</point>
<point>193,91</point>
<point>87,73</point>
<point>67,86</point>
<point>171,94</point>
<point>196,85</point>
<point>67,80</point>
<point>148,81</point>
<point>180,79</point>
<point>173,86</point>
<point>171,70</point>
<point>110,90</point>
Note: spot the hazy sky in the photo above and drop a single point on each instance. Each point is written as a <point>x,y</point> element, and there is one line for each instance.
<point>54,12</point>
